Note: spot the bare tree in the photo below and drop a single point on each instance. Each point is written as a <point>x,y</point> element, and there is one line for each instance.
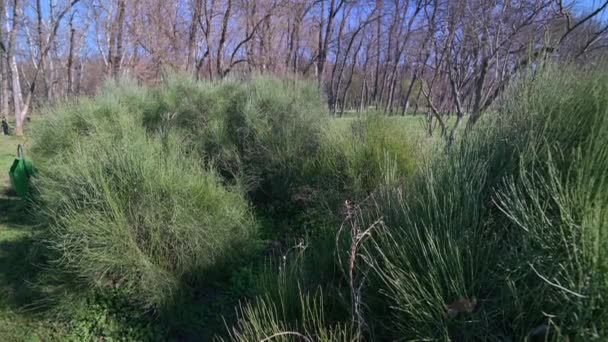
<point>442,56</point>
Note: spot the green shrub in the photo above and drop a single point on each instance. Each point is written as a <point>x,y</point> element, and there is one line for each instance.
<point>261,131</point>
<point>356,157</point>
<point>503,237</point>
<point>66,124</point>
<point>300,297</point>
<point>262,320</point>
<point>140,213</point>
<point>375,148</point>
<point>558,202</point>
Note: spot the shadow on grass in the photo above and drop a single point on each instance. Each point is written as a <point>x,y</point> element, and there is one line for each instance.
<point>17,274</point>
<point>14,212</point>
<point>19,256</point>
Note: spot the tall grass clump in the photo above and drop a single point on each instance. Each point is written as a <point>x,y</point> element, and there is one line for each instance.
<point>262,130</point>
<point>375,147</point>
<point>118,105</point>
<point>504,237</point>
<point>130,210</point>
<point>355,158</point>
<point>301,296</point>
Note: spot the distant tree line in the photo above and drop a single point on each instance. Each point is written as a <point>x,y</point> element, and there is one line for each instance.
<point>434,57</point>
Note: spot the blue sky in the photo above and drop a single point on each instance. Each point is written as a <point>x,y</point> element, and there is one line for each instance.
<point>587,5</point>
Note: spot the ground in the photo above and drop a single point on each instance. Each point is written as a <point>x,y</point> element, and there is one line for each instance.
<point>19,321</point>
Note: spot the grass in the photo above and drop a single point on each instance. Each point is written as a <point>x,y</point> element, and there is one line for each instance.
<point>18,321</point>
<point>8,151</point>
<point>370,230</point>
<point>140,213</point>
<point>408,126</point>
<point>502,238</point>
<point>85,126</point>
<point>512,221</point>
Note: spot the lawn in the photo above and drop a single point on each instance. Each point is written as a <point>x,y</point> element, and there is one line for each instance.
<point>8,149</point>
<point>19,321</point>
<point>412,126</point>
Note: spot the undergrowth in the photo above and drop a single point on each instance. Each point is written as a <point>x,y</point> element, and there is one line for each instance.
<point>149,197</point>
<point>501,238</point>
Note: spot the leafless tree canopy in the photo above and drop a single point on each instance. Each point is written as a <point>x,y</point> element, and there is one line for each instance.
<point>400,56</point>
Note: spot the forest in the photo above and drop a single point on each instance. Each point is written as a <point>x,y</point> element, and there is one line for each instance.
<point>304,170</point>
<point>446,56</point>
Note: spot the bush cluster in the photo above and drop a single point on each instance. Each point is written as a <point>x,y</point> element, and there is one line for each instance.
<point>131,210</point>
<point>152,191</point>
<point>501,238</point>
<point>259,132</point>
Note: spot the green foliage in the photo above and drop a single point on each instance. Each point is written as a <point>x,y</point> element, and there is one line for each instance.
<point>301,297</point>
<point>109,316</point>
<point>263,320</point>
<point>353,161</point>
<point>131,211</point>
<point>262,130</point>
<point>501,237</point>
<point>65,125</point>
<point>374,149</point>
<point>511,221</point>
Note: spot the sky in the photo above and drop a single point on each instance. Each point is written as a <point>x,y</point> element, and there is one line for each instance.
<point>588,5</point>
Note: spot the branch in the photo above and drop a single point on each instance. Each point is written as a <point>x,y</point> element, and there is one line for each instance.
<point>582,21</point>
<point>592,41</point>
<point>434,111</point>
<point>248,37</point>
<point>56,25</point>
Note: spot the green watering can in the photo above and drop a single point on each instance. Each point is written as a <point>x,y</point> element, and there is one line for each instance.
<point>20,173</point>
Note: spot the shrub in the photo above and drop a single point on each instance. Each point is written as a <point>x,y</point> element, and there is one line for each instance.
<point>262,320</point>
<point>376,147</point>
<point>502,237</point>
<point>356,157</point>
<point>64,125</point>
<point>140,213</point>
<point>299,297</point>
<point>262,130</point>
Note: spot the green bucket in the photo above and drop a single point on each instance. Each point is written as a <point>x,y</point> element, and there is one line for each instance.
<point>20,173</point>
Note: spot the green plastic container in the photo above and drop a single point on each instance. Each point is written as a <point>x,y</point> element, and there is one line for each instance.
<point>20,173</point>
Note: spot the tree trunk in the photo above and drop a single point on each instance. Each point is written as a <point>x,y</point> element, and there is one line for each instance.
<point>378,50</point>
<point>477,104</point>
<point>117,58</point>
<point>319,65</point>
<point>223,34</point>
<point>4,84</point>
<point>4,74</point>
<point>79,74</point>
<point>350,78</point>
<point>196,13</point>
<point>14,71</point>
<point>70,62</point>
<point>406,103</point>
<point>40,39</point>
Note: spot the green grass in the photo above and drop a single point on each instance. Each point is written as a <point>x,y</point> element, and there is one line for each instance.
<point>510,220</point>
<point>8,151</point>
<point>408,126</point>
<point>502,238</point>
<point>19,321</point>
